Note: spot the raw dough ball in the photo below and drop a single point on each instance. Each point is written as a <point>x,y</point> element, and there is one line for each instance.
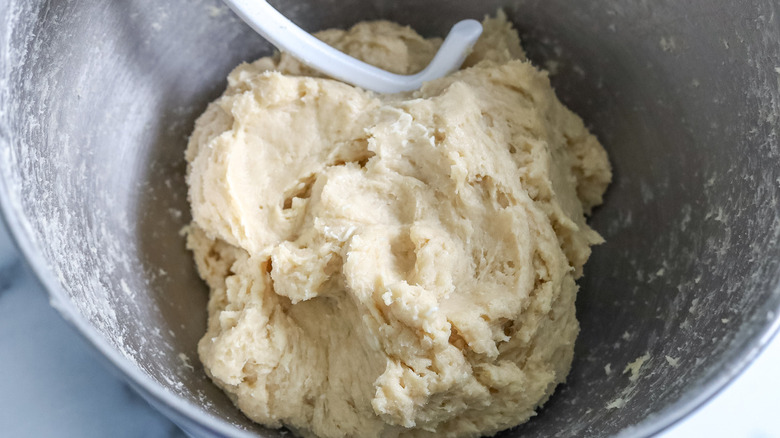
<point>392,265</point>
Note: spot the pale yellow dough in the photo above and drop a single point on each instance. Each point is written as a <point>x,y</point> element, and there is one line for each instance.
<point>392,265</point>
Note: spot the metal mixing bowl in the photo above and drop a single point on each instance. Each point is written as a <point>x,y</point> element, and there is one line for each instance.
<point>97,98</point>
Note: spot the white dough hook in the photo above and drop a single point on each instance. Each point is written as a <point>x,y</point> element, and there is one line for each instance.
<point>286,36</point>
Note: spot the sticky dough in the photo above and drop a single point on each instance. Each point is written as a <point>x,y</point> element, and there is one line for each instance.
<point>392,265</point>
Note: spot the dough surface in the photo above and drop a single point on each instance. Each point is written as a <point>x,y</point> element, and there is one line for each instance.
<point>392,265</point>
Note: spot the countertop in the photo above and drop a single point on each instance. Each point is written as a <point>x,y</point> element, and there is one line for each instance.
<point>52,383</point>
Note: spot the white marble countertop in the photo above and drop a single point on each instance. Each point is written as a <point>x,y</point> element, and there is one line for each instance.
<point>52,384</point>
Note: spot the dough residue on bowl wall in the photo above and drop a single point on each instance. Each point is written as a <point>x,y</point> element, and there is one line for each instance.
<point>392,265</point>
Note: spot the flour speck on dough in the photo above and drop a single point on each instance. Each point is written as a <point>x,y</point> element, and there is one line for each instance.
<point>392,265</point>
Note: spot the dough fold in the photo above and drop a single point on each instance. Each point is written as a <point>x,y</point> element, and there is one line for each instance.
<point>392,265</point>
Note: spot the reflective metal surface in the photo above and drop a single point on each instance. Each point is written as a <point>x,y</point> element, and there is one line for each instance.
<point>97,98</point>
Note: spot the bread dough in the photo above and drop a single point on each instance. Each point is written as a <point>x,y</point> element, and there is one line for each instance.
<point>392,265</point>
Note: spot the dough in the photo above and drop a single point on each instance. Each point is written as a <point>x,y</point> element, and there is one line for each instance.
<point>392,265</point>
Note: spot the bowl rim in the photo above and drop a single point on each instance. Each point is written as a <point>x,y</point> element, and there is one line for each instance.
<point>186,414</point>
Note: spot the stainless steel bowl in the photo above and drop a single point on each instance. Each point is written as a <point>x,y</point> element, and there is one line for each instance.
<point>97,99</point>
